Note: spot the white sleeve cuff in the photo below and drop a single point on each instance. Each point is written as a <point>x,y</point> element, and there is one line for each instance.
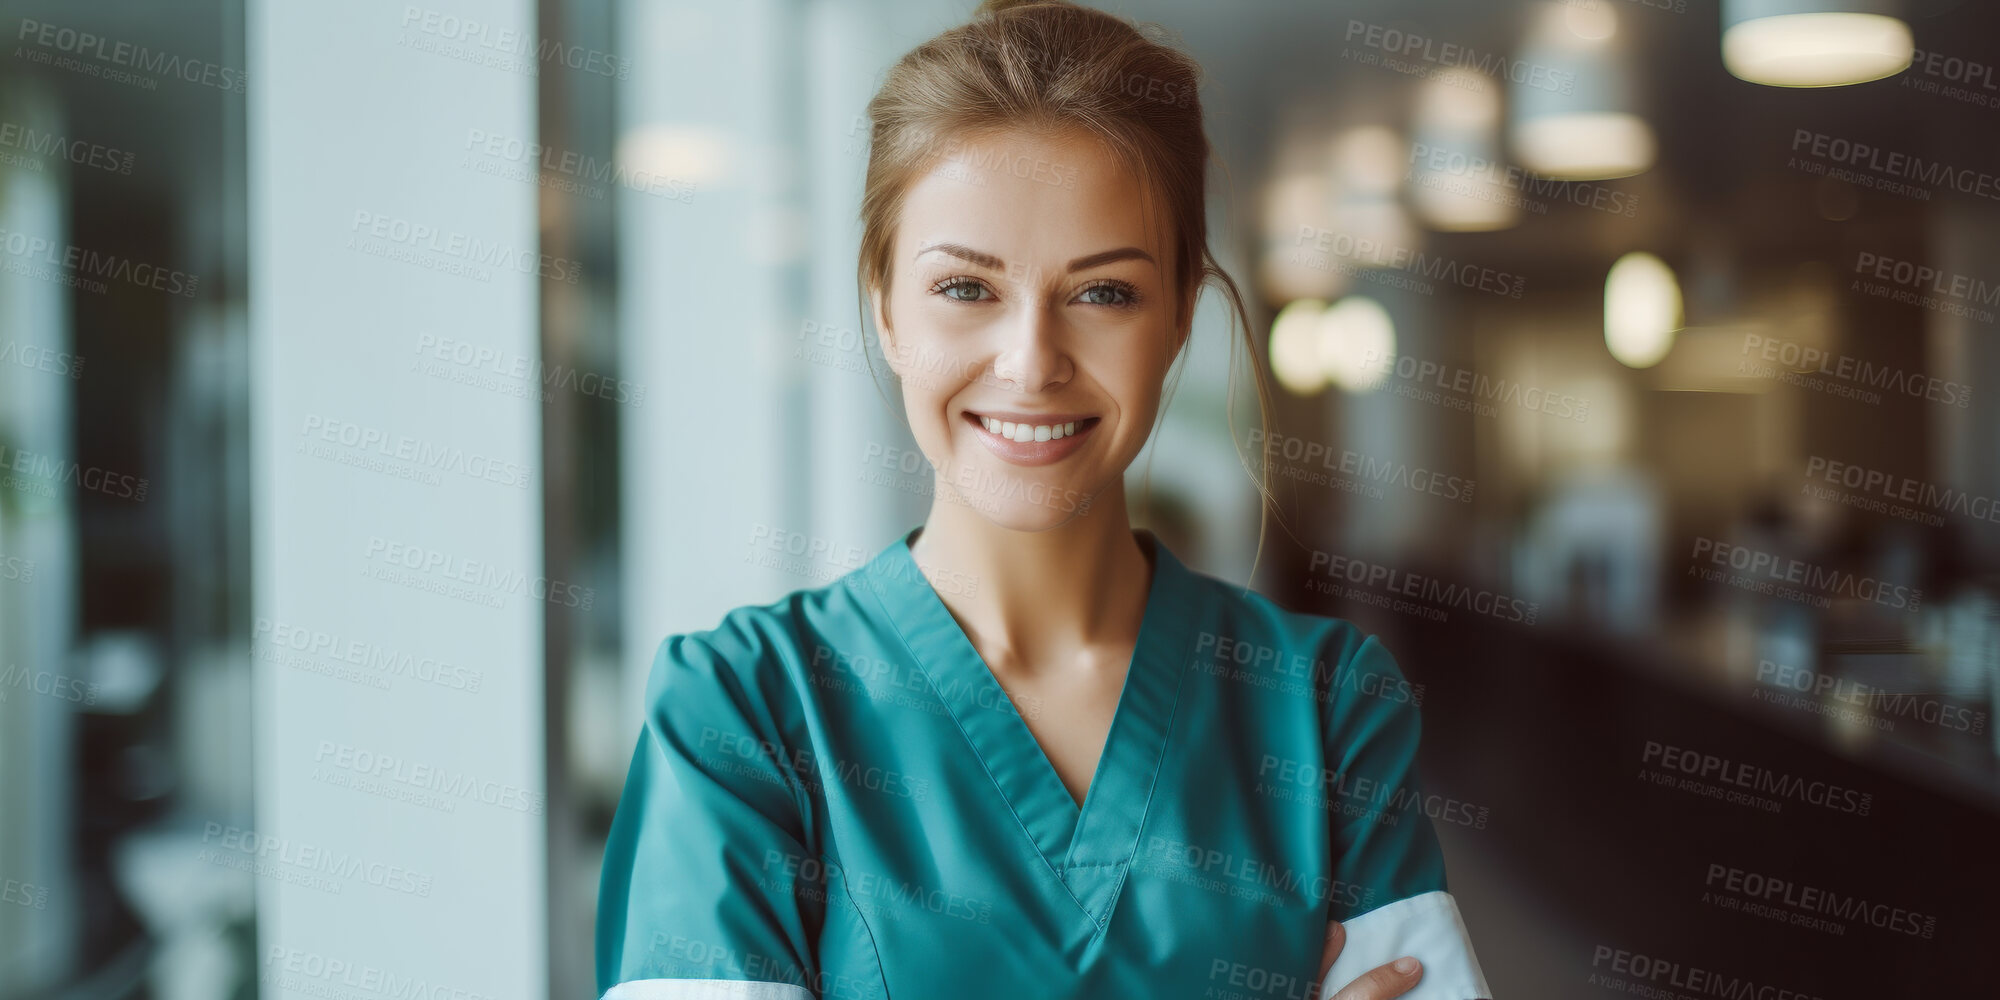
<point>1426,927</point>
<point>705,989</point>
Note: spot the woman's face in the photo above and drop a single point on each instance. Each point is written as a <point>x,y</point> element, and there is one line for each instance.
<point>1031,317</point>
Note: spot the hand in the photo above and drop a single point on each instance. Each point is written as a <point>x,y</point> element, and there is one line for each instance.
<point>1380,983</point>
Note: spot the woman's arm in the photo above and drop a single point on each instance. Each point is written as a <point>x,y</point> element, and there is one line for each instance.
<point>1383,840</point>
<point>698,897</point>
<point>1379,983</point>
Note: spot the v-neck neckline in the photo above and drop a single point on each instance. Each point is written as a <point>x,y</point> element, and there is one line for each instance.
<point>1088,846</point>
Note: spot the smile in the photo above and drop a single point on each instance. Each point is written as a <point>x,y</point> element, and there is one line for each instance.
<point>1031,439</point>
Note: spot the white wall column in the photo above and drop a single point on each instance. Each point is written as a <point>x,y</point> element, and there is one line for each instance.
<point>396,494</point>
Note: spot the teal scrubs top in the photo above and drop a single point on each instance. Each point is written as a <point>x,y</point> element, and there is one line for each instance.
<point>833,797</point>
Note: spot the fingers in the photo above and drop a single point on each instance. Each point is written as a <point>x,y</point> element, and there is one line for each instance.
<point>1336,939</point>
<point>1383,982</point>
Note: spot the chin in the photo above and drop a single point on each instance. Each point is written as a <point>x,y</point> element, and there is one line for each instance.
<point>1035,506</point>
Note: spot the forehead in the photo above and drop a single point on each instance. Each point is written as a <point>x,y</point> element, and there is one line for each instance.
<point>1031,199</point>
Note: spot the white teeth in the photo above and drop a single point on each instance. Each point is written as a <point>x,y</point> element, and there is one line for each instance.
<point>1027,432</point>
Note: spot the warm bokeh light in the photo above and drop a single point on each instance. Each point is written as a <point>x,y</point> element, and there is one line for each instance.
<point>1575,115</point>
<point>1354,336</point>
<point>1368,160</point>
<point>1817,49</point>
<point>1642,309</point>
<point>694,154</point>
<point>1594,22</point>
<point>1588,146</point>
<point>1459,98</point>
<point>1457,179</point>
<point>1295,347</point>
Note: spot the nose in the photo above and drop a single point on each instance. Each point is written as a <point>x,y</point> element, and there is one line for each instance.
<point>1032,355</point>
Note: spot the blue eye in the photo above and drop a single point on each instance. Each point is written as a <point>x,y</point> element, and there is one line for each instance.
<point>1109,293</point>
<point>961,290</point>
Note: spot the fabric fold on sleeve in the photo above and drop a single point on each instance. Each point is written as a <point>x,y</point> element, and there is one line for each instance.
<point>708,887</point>
<point>1384,844</point>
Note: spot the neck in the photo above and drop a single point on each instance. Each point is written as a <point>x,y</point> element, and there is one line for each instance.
<point>1082,582</point>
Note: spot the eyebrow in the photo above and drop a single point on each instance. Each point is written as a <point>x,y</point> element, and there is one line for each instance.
<point>988,260</point>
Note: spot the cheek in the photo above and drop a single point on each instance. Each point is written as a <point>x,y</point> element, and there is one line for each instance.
<point>1133,373</point>
<point>927,401</point>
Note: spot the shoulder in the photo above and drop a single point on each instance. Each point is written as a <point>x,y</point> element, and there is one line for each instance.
<point>1249,630</point>
<point>1238,615</point>
<point>757,656</point>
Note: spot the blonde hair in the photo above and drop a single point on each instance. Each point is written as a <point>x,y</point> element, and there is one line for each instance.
<point>1053,66</point>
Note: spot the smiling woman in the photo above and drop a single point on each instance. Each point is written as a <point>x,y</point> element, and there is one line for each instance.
<point>1092,769</point>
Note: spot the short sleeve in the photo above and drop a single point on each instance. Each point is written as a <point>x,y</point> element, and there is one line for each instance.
<point>702,894</point>
<point>1384,847</point>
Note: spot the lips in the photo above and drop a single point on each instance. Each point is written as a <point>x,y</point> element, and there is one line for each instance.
<point>1031,438</point>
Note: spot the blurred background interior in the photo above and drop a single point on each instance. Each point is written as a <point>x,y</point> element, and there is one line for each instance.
<point>1672,377</point>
